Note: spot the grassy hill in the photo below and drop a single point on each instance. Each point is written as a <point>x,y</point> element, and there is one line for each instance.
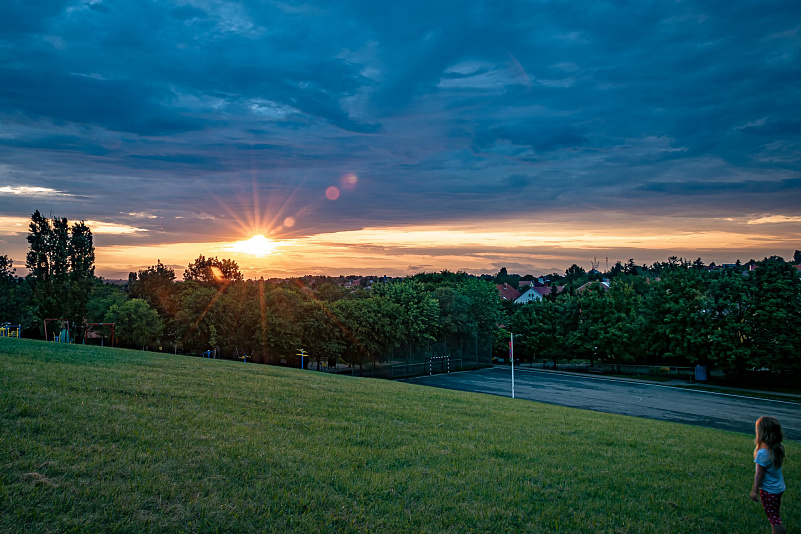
<point>98,439</point>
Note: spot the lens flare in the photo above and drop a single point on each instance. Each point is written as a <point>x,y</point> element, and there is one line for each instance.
<point>349,181</point>
<point>289,222</point>
<point>332,193</point>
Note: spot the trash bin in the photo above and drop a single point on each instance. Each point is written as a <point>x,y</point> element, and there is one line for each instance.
<point>700,373</point>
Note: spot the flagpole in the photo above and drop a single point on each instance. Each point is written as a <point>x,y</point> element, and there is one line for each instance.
<point>512,358</point>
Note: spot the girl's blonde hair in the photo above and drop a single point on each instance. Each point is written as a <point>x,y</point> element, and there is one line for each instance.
<point>769,436</point>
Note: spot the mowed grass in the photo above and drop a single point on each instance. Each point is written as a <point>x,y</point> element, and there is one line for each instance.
<point>109,440</point>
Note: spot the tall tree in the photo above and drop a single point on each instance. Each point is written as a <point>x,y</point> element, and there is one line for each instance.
<point>81,253</point>
<point>213,270</point>
<point>102,297</point>
<point>420,311</point>
<point>194,321</point>
<point>156,285</point>
<point>456,323</point>
<point>574,272</point>
<point>606,327</point>
<point>776,317</point>
<point>371,327</point>
<point>7,269</point>
<point>729,306</point>
<point>15,297</point>
<point>61,267</point>
<point>536,330</point>
<point>320,334</point>
<point>675,314</point>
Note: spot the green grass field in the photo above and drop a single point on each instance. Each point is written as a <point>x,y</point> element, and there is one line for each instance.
<point>109,440</point>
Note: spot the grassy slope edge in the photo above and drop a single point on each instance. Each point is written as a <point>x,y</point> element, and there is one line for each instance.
<point>100,439</point>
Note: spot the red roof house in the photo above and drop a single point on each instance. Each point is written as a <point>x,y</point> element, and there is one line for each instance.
<point>508,292</point>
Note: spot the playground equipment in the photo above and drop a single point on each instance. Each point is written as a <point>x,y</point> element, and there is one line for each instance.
<point>303,354</point>
<point>63,329</point>
<point>10,330</point>
<point>97,331</point>
<point>244,356</point>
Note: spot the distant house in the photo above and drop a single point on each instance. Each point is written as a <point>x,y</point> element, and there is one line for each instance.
<point>604,285</point>
<point>508,292</point>
<point>532,294</point>
<point>524,283</point>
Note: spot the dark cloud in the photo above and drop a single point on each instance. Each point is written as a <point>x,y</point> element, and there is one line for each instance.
<point>540,138</point>
<point>443,109</point>
<point>56,143</point>
<point>126,106</point>
<point>747,187</point>
<point>28,16</point>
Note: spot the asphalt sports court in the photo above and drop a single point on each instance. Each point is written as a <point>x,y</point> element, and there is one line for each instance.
<point>725,411</point>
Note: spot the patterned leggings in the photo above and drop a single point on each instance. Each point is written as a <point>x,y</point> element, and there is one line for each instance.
<point>771,502</point>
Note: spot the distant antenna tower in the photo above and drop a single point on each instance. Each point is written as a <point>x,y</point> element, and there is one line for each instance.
<point>595,264</point>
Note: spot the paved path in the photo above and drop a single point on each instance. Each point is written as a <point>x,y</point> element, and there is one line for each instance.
<point>653,401</point>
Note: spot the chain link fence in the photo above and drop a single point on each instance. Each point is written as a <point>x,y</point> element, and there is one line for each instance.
<point>448,354</point>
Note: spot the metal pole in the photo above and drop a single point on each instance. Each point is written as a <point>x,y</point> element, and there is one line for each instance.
<point>512,357</point>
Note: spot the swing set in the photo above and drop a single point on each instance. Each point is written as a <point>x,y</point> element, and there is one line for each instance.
<point>98,331</point>
<point>62,334</point>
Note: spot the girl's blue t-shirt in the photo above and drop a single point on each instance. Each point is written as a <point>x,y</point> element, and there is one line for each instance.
<point>773,482</point>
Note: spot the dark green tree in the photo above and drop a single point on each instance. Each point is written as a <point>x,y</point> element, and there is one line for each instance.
<point>81,278</point>
<point>677,324</point>
<point>156,285</point>
<point>729,307</point>
<point>371,327</point>
<point>194,321</point>
<point>60,262</point>
<point>280,322</point>
<point>101,298</point>
<point>608,326</point>
<point>328,292</point>
<point>775,324</point>
<point>419,310</point>
<point>15,297</point>
<point>320,334</point>
<point>456,322</point>
<point>485,303</point>
<point>138,324</point>
<point>213,271</point>
<point>574,272</point>
<point>535,326</point>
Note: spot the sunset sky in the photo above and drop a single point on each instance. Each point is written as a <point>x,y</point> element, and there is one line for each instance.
<point>397,137</point>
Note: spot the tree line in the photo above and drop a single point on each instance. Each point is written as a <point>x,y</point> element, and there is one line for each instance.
<point>214,308</point>
<point>741,318</point>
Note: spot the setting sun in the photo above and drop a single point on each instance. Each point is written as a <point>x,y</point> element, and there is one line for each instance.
<point>258,245</point>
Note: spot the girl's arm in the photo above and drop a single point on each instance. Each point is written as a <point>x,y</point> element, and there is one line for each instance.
<point>758,476</point>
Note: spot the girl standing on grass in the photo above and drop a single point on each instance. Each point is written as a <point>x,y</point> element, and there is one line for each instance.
<point>768,480</point>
